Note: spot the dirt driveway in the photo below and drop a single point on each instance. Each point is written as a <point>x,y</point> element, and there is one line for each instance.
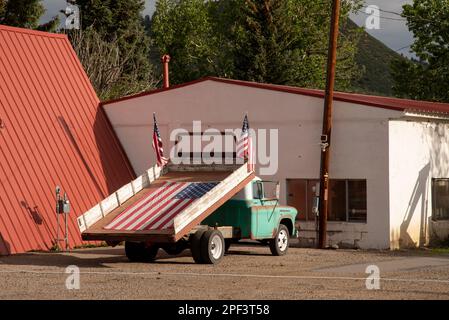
<point>247,272</point>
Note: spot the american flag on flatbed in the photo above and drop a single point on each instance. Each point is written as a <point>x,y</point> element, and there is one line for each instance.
<point>158,209</point>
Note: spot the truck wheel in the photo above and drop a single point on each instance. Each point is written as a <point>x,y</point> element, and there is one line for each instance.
<point>227,244</point>
<point>212,246</point>
<point>195,245</point>
<point>279,245</point>
<point>140,251</point>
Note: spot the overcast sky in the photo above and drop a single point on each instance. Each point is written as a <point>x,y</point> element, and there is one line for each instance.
<point>393,31</point>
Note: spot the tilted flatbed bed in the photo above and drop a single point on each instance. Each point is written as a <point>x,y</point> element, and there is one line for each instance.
<point>229,180</point>
<point>201,207</point>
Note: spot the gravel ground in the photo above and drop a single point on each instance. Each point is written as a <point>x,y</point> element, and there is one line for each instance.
<point>247,272</point>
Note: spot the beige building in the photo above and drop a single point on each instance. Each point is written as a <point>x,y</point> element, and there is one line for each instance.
<point>389,157</point>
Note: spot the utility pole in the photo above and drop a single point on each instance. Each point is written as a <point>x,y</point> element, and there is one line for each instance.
<point>327,125</point>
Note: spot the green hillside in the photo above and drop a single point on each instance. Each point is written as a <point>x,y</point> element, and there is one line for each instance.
<point>374,58</point>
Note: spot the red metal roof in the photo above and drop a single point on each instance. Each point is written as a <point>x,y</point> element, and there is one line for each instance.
<point>52,132</point>
<point>368,100</point>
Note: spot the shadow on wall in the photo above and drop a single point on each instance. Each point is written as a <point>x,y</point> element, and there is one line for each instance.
<point>439,230</point>
<point>417,230</point>
<point>439,150</point>
<point>116,167</point>
<point>72,139</point>
<point>39,222</point>
<point>420,192</point>
<point>5,248</point>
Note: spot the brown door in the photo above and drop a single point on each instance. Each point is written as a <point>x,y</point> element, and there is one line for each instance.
<point>297,196</point>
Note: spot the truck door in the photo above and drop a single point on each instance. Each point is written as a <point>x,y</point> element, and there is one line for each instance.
<point>264,214</point>
<point>266,220</point>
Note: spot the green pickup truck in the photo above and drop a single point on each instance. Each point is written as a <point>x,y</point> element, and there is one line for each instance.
<point>256,216</point>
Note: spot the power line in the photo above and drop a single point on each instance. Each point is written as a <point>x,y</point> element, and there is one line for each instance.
<point>408,46</point>
<point>400,14</point>
<point>382,17</point>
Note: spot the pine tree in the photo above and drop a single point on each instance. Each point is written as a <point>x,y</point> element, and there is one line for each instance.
<point>273,41</point>
<point>120,22</point>
<point>183,29</point>
<point>270,34</point>
<point>2,8</point>
<point>25,14</point>
<point>285,42</point>
<point>428,77</point>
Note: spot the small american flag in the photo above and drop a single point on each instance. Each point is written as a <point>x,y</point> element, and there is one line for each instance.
<point>157,144</point>
<point>244,147</point>
<point>158,209</point>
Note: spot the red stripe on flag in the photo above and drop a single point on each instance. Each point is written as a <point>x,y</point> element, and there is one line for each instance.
<point>169,218</point>
<point>135,212</point>
<point>136,218</point>
<point>141,203</point>
<point>174,204</point>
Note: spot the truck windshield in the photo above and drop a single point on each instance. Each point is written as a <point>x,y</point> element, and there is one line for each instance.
<point>270,189</point>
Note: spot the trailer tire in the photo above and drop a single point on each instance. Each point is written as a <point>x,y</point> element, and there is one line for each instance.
<point>279,245</point>
<point>195,245</point>
<point>140,251</point>
<point>212,246</point>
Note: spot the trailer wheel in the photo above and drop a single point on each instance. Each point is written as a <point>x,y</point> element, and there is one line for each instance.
<point>212,246</point>
<point>279,245</point>
<point>195,245</point>
<point>140,251</point>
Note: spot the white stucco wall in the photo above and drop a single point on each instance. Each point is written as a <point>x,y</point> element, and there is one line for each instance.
<point>359,139</point>
<point>419,151</point>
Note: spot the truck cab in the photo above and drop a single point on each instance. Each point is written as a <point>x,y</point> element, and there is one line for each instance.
<point>255,213</point>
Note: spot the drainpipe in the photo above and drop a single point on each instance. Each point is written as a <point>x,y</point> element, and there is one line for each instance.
<point>165,60</point>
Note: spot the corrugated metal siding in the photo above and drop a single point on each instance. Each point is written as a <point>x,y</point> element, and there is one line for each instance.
<point>54,133</point>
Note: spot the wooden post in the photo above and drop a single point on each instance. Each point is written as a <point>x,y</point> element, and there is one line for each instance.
<point>327,125</point>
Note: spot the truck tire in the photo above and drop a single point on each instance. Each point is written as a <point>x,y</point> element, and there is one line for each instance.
<point>279,245</point>
<point>140,251</point>
<point>212,246</point>
<point>195,245</point>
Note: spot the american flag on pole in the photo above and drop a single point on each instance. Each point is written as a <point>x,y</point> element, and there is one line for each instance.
<point>157,144</point>
<point>244,147</point>
<point>158,209</point>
